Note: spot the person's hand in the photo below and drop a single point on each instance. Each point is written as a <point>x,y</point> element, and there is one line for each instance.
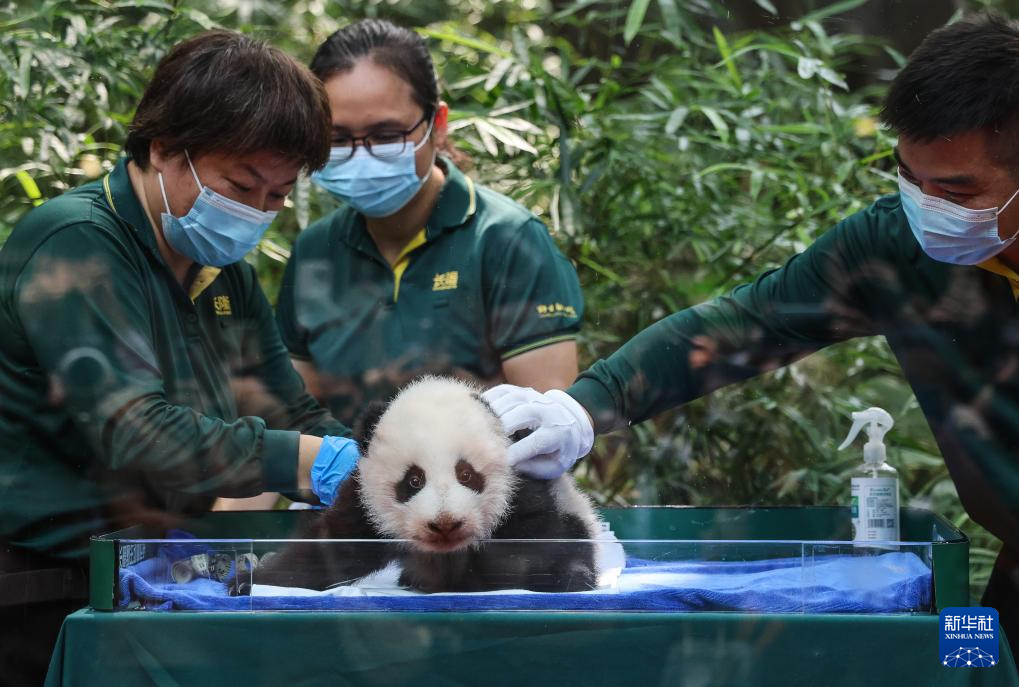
<point>333,464</point>
<point>561,429</point>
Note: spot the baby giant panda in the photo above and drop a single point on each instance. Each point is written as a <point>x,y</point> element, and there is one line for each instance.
<point>433,473</point>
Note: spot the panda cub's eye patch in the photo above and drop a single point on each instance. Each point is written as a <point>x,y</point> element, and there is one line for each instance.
<point>469,477</point>
<point>412,482</point>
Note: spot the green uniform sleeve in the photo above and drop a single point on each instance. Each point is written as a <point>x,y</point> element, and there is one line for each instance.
<point>82,305</point>
<point>280,395</point>
<point>815,299</point>
<point>295,338</point>
<point>532,295</point>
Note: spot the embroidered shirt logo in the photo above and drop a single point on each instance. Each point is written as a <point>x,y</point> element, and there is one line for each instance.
<point>445,281</point>
<point>221,304</point>
<point>556,310</point>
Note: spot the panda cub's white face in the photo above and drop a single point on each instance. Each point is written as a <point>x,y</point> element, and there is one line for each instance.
<point>435,470</point>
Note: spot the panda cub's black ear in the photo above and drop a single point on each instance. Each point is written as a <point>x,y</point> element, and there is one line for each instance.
<point>517,435</point>
<point>364,426</point>
<point>481,399</point>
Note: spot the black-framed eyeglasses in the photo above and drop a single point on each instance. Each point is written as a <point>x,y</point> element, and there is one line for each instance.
<point>381,144</point>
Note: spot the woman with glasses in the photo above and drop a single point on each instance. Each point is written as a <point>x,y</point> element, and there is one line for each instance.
<point>420,270</point>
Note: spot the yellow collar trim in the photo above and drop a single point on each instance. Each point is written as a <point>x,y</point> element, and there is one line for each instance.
<point>998,267</point>
<point>109,193</point>
<point>473,206</point>
<point>204,280</point>
<point>403,259</point>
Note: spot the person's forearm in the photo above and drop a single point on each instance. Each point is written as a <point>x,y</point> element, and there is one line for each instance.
<point>549,367</point>
<point>649,373</point>
<point>685,356</point>
<point>264,501</point>
<point>307,451</point>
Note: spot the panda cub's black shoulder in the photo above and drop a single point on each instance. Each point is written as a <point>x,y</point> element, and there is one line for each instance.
<point>433,473</point>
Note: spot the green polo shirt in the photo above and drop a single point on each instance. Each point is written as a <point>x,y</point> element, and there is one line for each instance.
<point>482,282</point>
<point>124,395</point>
<point>954,330</point>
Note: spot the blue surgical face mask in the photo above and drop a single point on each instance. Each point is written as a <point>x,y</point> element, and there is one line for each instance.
<point>374,186</point>
<point>216,230</point>
<point>949,232</point>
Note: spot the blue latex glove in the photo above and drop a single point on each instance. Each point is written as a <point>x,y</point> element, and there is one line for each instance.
<point>335,461</point>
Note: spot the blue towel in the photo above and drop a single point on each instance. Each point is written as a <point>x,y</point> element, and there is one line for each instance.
<point>888,583</point>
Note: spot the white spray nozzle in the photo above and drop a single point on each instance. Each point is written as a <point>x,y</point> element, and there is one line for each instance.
<point>877,422</point>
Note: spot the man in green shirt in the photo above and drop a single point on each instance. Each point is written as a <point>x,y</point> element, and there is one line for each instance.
<point>934,269</point>
<point>141,371</point>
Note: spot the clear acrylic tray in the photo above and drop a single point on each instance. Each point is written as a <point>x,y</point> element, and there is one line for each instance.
<point>666,559</point>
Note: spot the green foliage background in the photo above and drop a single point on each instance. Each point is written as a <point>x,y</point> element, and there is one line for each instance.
<point>672,157</point>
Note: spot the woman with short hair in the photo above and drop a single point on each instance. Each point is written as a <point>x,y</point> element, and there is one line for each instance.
<point>141,372</point>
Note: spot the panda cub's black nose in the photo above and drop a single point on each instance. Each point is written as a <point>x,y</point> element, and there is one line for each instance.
<point>445,526</point>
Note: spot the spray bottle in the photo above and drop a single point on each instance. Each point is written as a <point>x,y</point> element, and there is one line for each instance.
<point>875,483</point>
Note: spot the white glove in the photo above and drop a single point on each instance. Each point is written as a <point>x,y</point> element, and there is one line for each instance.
<point>562,432</point>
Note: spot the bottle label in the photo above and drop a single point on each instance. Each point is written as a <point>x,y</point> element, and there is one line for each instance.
<point>875,509</point>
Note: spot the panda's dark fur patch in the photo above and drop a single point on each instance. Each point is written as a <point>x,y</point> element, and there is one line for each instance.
<point>366,422</point>
<point>413,481</point>
<point>469,477</point>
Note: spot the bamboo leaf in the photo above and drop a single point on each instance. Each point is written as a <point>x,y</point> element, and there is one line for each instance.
<point>508,138</point>
<point>487,140</point>
<point>515,123</point>
<point>573,9</point>
<point>798,128</point>
<point>672,18</point>
<point>29,186</point>
<point>833,77</point>
<point>498,71</point>
<point>717,121</point>
<point>200,18</point>
<point>833,9</point>
<point>726,167</point>
<point>726,53</point>
<point>24,73</point>
<point>464,84</point>
<point>676,120</point>
<point>881,154</point>
<point>164,7</point>
<point>634,19</point>
<point>465,41</point>
<point>602,270</point>
<point>756,182</point>
<point>273,250</point>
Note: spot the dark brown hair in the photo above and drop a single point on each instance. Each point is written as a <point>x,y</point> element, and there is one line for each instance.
<point>388,45</point>
<point>222,91</point>
<point>963,77</point>
<point>394,47</point>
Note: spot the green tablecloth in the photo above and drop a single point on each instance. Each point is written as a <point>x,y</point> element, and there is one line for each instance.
<point>281,649</point>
